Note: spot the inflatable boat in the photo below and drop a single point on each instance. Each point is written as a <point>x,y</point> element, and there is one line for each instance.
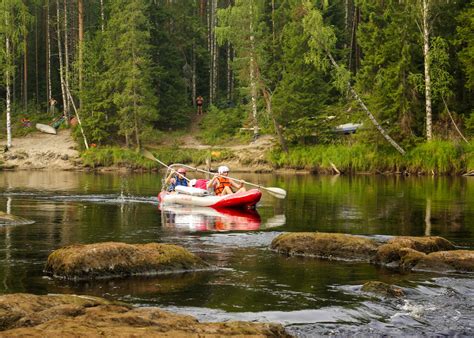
<point>199,197</point>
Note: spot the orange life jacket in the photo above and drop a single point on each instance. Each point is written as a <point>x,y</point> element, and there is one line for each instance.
<point>223,182</point>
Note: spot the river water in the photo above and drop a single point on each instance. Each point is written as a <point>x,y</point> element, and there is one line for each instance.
<point>309,296</point>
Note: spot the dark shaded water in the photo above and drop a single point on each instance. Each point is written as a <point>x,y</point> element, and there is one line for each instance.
<point>309,296</point>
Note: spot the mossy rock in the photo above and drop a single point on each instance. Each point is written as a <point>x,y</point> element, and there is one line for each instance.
<point>447,261</point>
<point>110,259</point>
<point>9,219</point>
<point>77,316</point>
<point>325,245</point>
<point>423,244</point>
<point>393,251</point>
<point>382,289</point>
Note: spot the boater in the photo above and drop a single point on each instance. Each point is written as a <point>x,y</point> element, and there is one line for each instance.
<point>222,184</point>
<point>176,178</point>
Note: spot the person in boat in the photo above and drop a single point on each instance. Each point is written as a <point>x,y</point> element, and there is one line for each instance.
<point>223,185</point>
<point>176,178</point>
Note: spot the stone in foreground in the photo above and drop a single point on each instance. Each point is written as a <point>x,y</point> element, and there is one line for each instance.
<point>325,245</point>
<point>29,315</point>
<point>382,289</point>
<point>111,259</point>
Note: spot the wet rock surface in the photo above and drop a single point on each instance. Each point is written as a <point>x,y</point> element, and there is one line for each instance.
<point>111,259</point>
<point>382,289</point>
<point>71,315</point>
<point>325,245</point>
<point>446,261</point>
<point>407,253</point>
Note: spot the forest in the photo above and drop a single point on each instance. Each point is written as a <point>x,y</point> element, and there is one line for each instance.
<point>129,72</point>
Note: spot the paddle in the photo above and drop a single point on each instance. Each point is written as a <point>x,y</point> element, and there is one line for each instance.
<point>150,156</point>
<point>274,191</point>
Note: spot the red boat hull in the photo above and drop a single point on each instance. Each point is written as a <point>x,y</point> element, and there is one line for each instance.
<point>246,199</point>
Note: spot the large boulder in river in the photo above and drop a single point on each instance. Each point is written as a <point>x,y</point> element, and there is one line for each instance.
<point>325,245</point>
<point>391,252</point>
<point>110,259</point>
<point>83,316</point>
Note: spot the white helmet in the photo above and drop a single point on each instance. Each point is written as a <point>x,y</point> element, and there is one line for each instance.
<point>223,169</point>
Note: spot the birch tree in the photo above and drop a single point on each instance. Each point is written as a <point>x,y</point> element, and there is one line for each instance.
<point>14,18</point>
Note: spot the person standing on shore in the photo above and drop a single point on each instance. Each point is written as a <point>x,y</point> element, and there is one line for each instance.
<point>199,103</point>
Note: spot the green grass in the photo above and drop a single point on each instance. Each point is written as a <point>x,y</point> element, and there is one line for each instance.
<point>438,157</point>
<point>122,157</point>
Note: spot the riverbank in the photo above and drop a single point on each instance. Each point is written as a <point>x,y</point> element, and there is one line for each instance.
<point>43,151</point>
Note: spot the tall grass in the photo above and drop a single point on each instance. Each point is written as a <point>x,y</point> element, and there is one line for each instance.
<point>438,157</point>
<point>122,157</point>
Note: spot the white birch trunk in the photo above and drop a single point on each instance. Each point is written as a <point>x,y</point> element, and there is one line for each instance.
<point>48,58</point>
<point>229,72</point>
<point>102,16</point>
<point>427,61</point>
<point>25,73</point>
<point>78,120</point>
<point>36,61</point>
<point>60,53</point>
<point>7,84</point>
<point>80,11</point>
<point>66,61</point>
<point>216,52</point>
<point>253,82</point>
<point>193,76</point>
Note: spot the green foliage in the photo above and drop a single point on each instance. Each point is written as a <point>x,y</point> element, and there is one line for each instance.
<point>129,67</point>
<point>470,124</point>
<point>390,40</point>
<point>321,38</point>
<point>439,157</point>
<point>221,125</point>
<point>298,101</point>
<point>465,39</point>
<point>122,157</point>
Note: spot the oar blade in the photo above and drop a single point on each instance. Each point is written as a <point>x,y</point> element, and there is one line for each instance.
<point>148,154</point>
<point>277,192</point>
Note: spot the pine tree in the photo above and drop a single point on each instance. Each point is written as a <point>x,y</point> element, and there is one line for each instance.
<point>129,68</point>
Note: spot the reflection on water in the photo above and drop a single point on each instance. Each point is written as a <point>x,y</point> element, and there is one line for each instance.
<point>310,296</point>
<point>211,219</point>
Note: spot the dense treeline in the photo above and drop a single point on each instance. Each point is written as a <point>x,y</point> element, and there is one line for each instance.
<point>130,70</point>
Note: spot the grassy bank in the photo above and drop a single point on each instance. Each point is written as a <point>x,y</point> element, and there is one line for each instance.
<point>438,157</point>
<point>122,157</point>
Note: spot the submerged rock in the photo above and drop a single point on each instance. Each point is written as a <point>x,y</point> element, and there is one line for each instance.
<point>110,259</point>
<point>382,289</point>
<point>9,219</point>
<point>325,245</point>
<point>75,316</point>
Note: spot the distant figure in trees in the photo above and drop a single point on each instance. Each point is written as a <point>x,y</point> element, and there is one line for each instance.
<point>52,106</point>
<point>199,102</point>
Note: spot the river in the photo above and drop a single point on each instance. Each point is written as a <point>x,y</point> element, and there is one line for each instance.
<point>309,296</point>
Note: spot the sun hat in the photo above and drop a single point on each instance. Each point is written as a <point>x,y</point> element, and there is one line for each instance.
<point>223,169</point>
